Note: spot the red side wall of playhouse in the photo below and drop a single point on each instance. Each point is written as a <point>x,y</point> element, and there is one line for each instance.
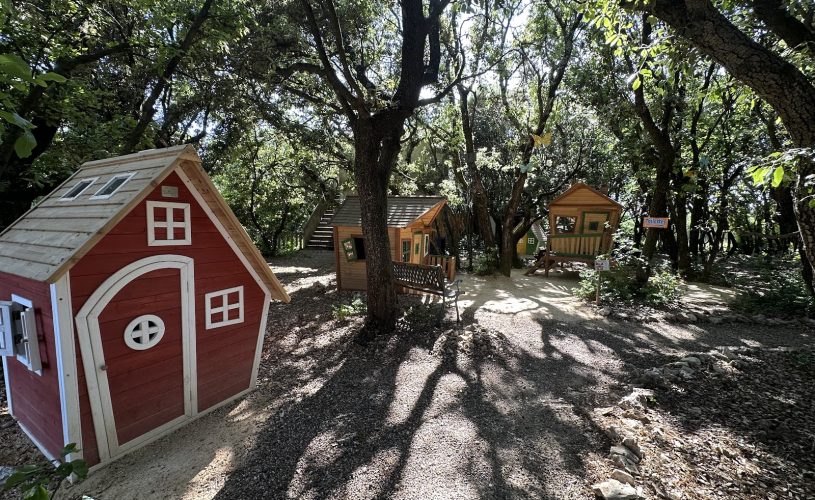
<point>35,398</point>
<point>224,355</point>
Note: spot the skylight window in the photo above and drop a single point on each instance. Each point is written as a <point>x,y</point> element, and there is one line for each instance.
<point>113,185</point>
<point>78,189</point>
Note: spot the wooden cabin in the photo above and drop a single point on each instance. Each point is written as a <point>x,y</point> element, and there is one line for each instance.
<point>411,229</point>
<point>533,241</point>
<point>131,302</point>
<point>582,222</point>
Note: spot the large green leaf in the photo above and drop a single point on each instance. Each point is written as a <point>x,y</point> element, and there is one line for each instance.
<point>778,176</point>
<point>24,145</point>
<point>13,65</point>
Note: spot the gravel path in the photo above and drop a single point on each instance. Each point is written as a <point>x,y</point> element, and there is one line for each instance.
<point>496,408</point>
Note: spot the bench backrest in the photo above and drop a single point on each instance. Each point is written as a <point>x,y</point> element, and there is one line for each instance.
<point>418,276</point>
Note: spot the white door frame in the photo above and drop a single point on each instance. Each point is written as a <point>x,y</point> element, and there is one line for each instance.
<point>93,358</point>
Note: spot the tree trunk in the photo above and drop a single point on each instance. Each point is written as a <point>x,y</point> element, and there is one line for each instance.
<point>479,193</point>
<point>376,147</point>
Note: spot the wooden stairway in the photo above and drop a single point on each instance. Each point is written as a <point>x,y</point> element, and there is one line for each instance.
<point>323,236</point>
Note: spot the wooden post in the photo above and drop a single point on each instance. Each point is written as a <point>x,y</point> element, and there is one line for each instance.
<point>597,299</point>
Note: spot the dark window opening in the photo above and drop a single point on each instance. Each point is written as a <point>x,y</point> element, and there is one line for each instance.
<point>565,224</point>
<point>594,226</point>
<point>80,187</point>
<point>359,246</point>
<point>405,250</point>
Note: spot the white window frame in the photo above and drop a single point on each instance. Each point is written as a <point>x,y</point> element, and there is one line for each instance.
<point>64,197</point>
<point>26,350</point>
<point>224,308</point>
<point>426,244</point>
<point>169,224</point>
<point>6,329</point>
<point>530,241</point>
<point>127,176</point>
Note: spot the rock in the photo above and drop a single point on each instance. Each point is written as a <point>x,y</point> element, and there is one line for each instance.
<point>686,317</point>
<point>623,477</point>
<point>5,472</point>
<point>622,316</point>
<point>604,311</point>
<point>638,399</point>
<point>728,353</point>
<point>633,446</point>
<point>625,453</point>
<point>692,361</point>
<point>759,318</point>
<point>634,414</point>
<point>625,464</point>
<point>613,433</point>
<point>615,490</point>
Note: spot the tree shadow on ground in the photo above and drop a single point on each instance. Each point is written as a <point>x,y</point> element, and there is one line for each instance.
<point>417,415</point>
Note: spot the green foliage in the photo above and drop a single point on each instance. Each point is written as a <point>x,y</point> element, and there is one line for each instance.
<point>486,263</point>
<point>774,289</point>
<point>357,307</point>
<point>40,482</point>
<point>620,286</point>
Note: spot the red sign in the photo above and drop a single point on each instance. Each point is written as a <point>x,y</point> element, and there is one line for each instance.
<point>655,222</point>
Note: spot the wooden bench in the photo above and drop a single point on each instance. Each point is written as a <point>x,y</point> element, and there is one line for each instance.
<point>427,279</point>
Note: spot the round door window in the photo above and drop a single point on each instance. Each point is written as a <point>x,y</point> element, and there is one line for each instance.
<point>144,332</point>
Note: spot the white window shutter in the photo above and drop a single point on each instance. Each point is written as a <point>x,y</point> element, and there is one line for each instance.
<point>6,330</point>
<point>31,341</point>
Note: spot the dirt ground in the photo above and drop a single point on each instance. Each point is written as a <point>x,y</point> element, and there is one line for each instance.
<point>497,407</point>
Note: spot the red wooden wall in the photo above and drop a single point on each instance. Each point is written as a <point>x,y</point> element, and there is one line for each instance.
<point>35,398</point>
<point>224,355</point>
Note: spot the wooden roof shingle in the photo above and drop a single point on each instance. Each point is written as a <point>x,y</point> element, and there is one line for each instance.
<point>403,211</point>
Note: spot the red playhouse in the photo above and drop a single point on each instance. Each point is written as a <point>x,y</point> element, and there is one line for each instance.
<point>131,301</point>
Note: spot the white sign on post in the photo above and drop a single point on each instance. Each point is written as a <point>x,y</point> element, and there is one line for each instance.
<point>602,265</point>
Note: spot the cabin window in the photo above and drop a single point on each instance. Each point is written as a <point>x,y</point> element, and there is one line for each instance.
<point>168,224</point>
<point>594,225</point>
<point>426,244</point>
<point>405,250</point>
<point>530,241</point>
<point>111,186</point>
<point>18,332</point>
<point>224,307</point>
<point>79,188</point>
<point>565,224</point>
<point>144,332</point>
<point>359,247</point>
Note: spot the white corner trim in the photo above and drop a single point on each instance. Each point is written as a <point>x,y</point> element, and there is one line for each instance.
<point>261,336</point>
<point>37,443</point>
<point>8,386</point>
<point>169,224</point>
<point>61,310</point>
<point>223,309</point>
<point>93,358</point>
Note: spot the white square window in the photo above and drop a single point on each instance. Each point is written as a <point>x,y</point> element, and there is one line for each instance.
<point>168,224</point>
<point>224,307</point>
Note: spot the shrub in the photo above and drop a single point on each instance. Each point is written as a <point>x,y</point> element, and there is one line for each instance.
<point>486,263</point>
<point>621,285</point>
<point>344,311</point>
<point>774,291</point>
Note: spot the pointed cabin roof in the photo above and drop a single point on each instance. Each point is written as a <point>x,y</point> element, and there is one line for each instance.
<point>403,211</point>
<point>58,231</point>
<point>593,197</point>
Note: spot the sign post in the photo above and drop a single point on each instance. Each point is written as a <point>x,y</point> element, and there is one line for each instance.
<point>600,265</point>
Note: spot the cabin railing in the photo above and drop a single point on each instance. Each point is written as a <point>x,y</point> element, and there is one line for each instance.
<point>578,245</point>
<point>446,262</point>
